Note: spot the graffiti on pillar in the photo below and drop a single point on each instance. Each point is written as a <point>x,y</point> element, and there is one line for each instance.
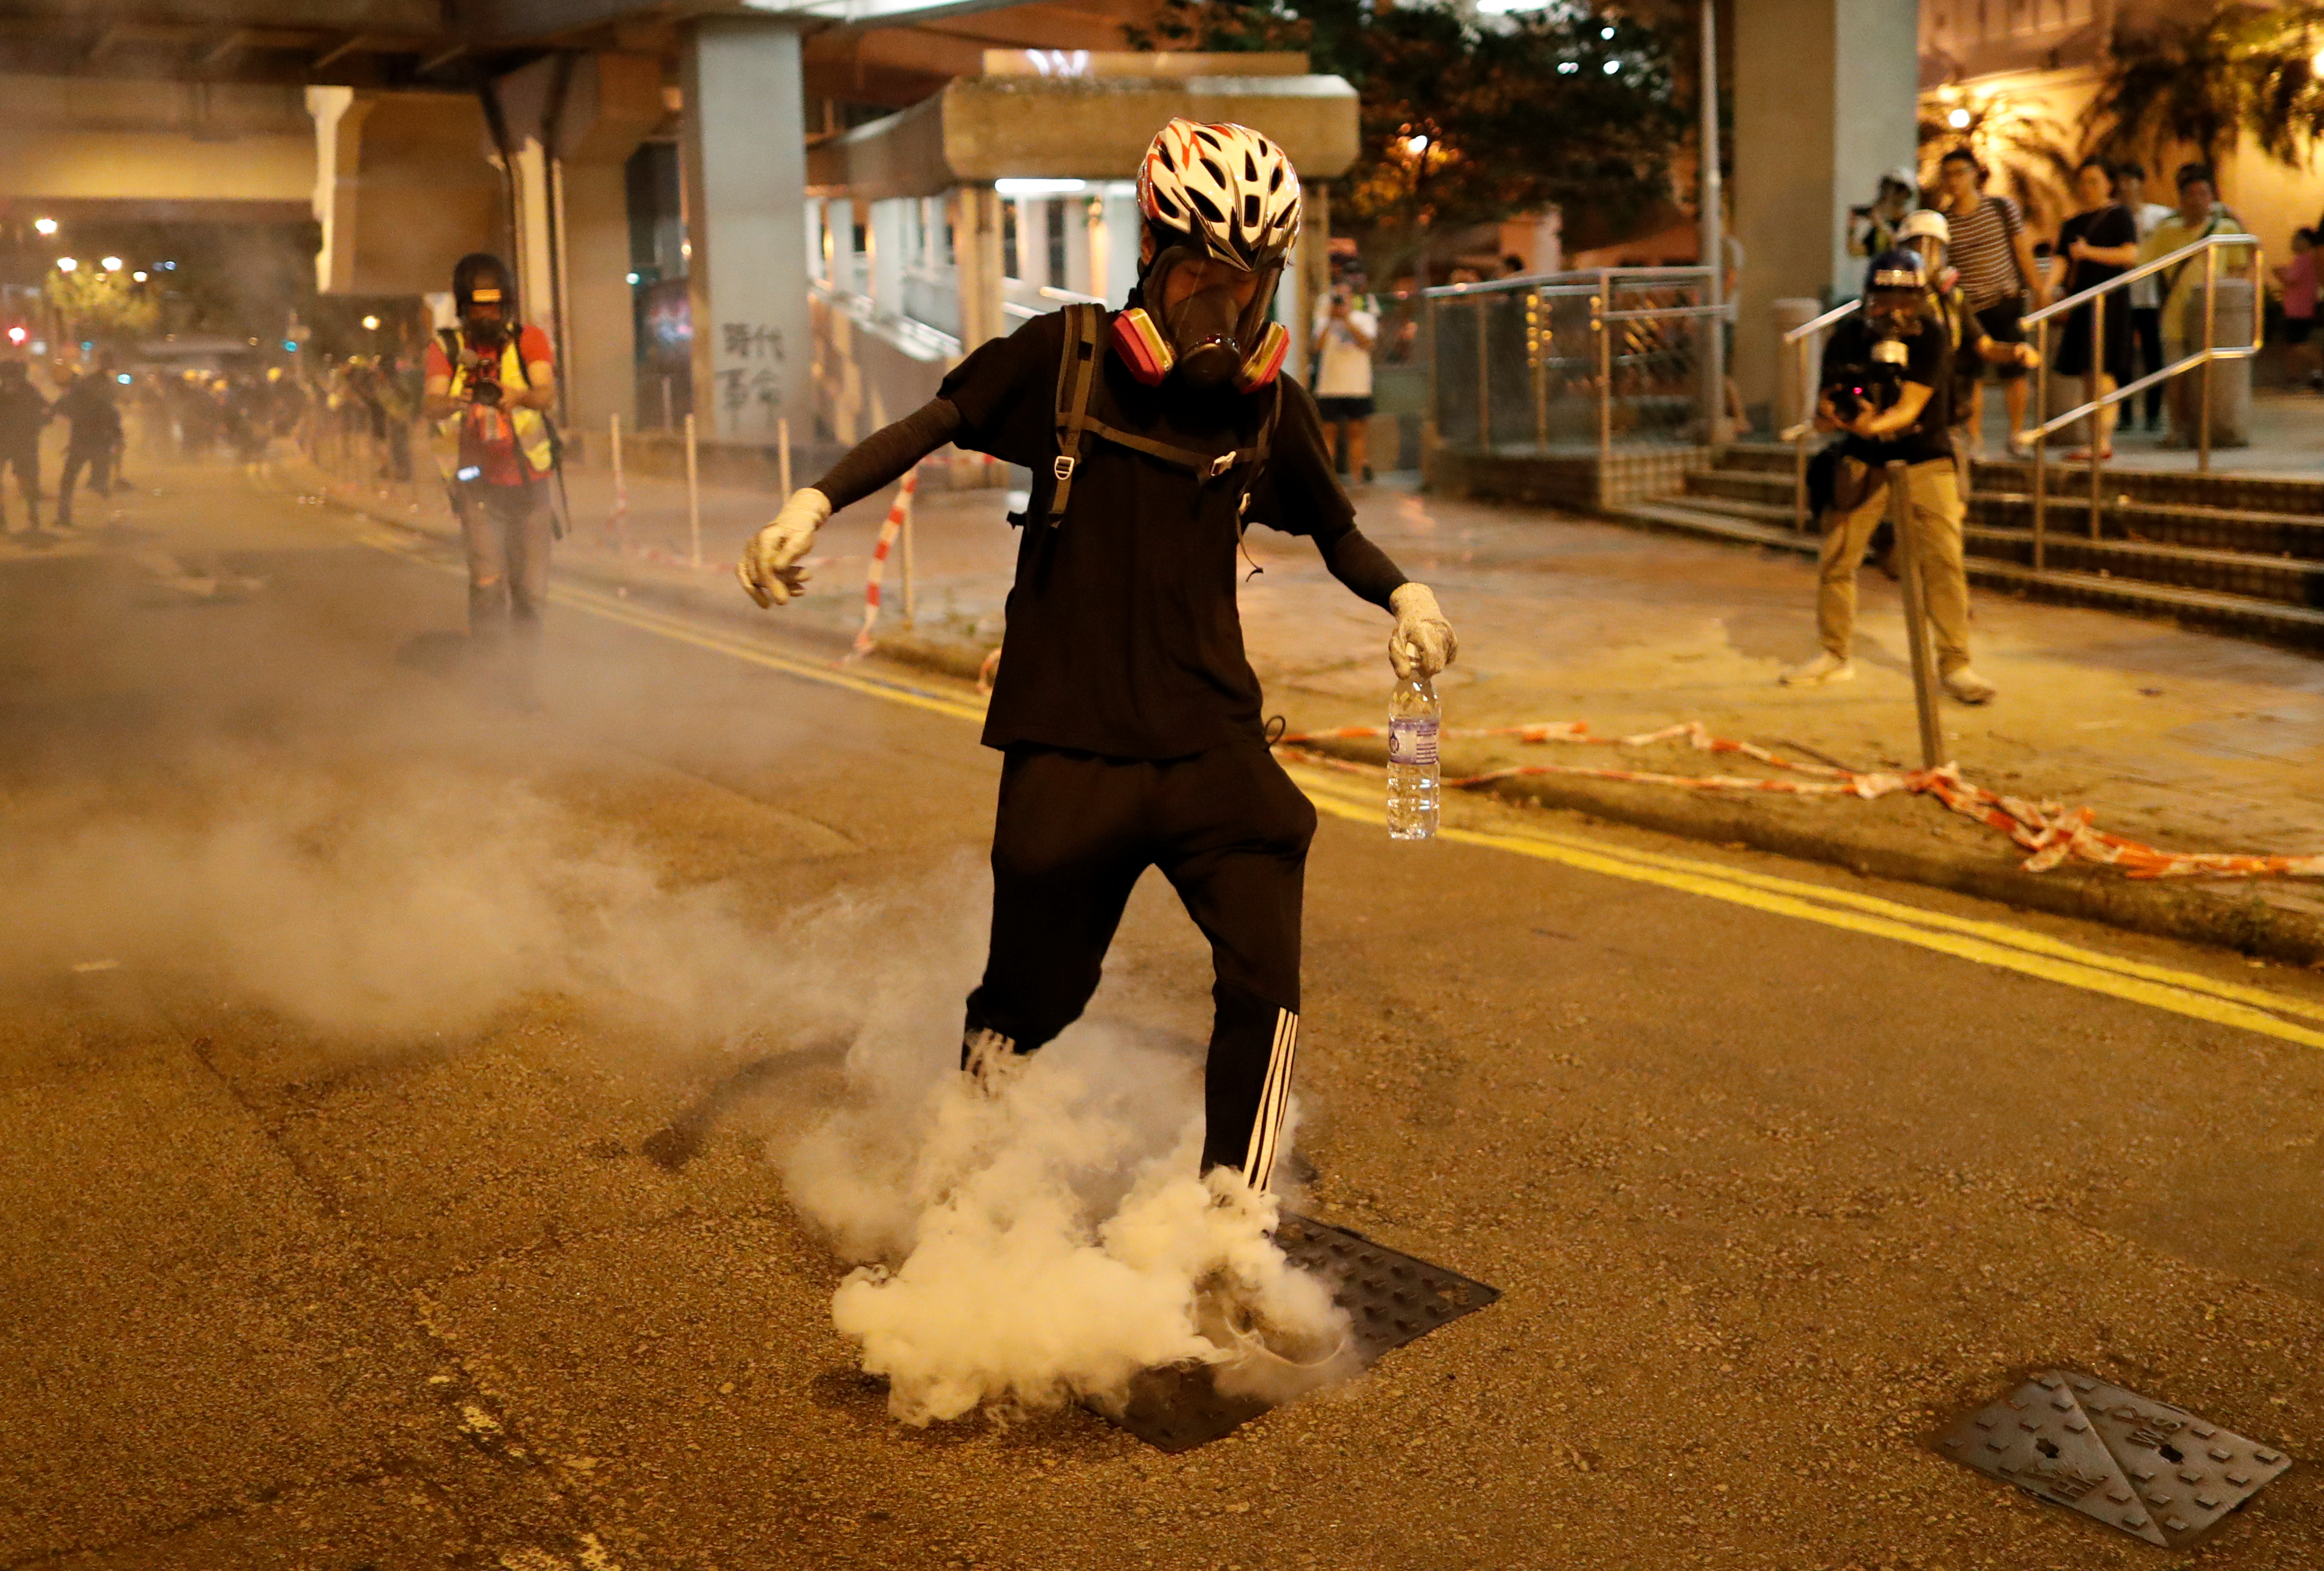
<point>754,383</point>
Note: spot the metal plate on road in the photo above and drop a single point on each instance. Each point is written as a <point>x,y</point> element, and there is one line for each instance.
<point>1391,1298</point>
<point>2155,1471</point>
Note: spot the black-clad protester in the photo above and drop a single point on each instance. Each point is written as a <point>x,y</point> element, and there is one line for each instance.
<point>22,412</point>
<point>87,406</point>
<point>1126,710</point>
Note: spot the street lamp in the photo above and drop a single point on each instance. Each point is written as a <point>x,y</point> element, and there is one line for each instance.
<point>110,264</point>
<point>66,264</point>
<point>139,276</point>
<point>370,324</point>
<point>1958,119</point>
<point>44,225</point>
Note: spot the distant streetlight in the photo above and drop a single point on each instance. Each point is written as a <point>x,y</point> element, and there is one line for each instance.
<point>1958,119</point>
<point>1415,145</point>
<point>110,263</point>
<point>633,277</point>
<point>2316,62</point>
<point>139,276</point>
<point>17,335</point>
<point>370,324</point>
<point>66,264</point>
<point>44,225</point>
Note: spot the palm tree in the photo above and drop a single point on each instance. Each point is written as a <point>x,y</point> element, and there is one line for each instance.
<point>2030,153</point>
<point>2175,81</point>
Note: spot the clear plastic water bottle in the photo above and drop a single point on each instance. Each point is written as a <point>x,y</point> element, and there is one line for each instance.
<point>1412,713</point>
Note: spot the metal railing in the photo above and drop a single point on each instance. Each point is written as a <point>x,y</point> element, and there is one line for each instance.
<point>2038,436</point>
<point>1805,336</point>
<point>1571,359</point>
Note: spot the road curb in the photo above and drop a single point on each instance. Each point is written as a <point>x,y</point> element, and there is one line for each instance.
<point>2247,924</point>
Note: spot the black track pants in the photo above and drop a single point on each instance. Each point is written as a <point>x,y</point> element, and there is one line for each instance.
<point>1229,831</point>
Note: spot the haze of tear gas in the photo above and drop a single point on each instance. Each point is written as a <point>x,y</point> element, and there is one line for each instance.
<point>302,826</point>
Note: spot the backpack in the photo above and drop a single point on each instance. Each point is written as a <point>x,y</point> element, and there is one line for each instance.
<point>1077,371</point>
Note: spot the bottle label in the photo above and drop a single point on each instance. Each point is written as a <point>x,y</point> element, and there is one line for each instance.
<point>1412,741</point>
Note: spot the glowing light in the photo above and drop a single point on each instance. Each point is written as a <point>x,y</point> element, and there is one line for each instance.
<point>1958,119</point>
<point>66,264</point>
<point>17,335</point>
<point>1415,145</point>
<point>2316,62</point>
<point>44,225</point>
<point>632,276</point>
<point>370,324</point>
<point>1606,32</point>
<point>122,377</point>
<point>139,276</point>
<point>110,263</point>
<point>1613,66</point>
<point>1014,188</point>
<point>1566,67</point>
<point>169,267</point>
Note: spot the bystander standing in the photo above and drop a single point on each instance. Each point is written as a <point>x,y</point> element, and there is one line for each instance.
<point>2200,214</point>
<point>1994,255</point>
<point>2145,293</point>
<point>1872,228</point>
<point>2099,243</point>
<point>22,412</point>
<point>2301,365</point>
<point>1347,324</point>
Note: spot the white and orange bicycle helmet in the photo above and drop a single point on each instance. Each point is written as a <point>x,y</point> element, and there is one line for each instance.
<point>1226,194</point>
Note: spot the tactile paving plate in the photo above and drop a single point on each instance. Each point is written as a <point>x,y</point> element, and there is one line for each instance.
<point>2154,1471</point>
<point>1391,1298</point>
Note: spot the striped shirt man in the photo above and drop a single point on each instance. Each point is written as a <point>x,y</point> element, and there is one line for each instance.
<point>1983,250</point>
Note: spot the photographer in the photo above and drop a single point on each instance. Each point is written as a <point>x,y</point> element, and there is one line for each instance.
<point>1872,228</point>
<point>1347,325</point>
<point>488,381</point>
<point>1888,381</point>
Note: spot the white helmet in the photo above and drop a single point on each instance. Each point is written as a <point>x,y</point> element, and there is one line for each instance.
<point>1927,222</point>
<point>1225,187</point>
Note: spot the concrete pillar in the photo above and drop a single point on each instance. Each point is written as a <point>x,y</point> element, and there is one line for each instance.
<point>572,123</point>
<point>976,260</point>
<point>1033,240</point>
<point>1123,226</point>
<point>744,145</point>
<point>891,242</point>
<point>1825,98</point>
<point>1081,218</point>
<point>404,187</point>
<point>1310,278</point>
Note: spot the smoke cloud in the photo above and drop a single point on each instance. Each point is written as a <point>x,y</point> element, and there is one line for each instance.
<point>1011,1253</point>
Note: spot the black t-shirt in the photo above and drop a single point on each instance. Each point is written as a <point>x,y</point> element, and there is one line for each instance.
<point>1123,635</point>
<point>1853,357</point>
<point>2109,226</point>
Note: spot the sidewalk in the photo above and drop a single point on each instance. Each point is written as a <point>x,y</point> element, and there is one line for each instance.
<point>2184,741</point>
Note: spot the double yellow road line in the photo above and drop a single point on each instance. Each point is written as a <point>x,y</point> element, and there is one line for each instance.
<point>1987,943</point>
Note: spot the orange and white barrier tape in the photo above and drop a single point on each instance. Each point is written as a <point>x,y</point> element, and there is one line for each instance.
<point>899,513</point>
<point>2049,831</point>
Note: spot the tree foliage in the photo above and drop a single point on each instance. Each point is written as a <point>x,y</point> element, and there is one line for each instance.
<point>103,304</point>
<point>2207,81</point>
<point>1466,121</point>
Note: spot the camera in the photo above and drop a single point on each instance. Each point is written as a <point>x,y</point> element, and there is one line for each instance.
<point>1862,211</point>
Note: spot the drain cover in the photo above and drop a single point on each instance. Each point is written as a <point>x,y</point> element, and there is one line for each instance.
<point>1390,1296</point>
<point>2156,1472</point>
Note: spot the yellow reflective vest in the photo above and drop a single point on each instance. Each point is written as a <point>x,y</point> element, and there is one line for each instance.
<point>531,427</point>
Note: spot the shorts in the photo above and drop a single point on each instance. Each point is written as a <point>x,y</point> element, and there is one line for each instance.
<point>1335,410</point>
<point>2295,329</point>
<point>2003,322</point>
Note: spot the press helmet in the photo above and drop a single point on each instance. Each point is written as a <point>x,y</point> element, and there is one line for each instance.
<point>1896,269</point>
<point>480,276</point>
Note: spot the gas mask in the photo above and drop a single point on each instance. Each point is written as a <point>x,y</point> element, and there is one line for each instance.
<point>1207,338</point>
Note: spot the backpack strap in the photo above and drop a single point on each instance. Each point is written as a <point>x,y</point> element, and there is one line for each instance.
<point>1077,373</point>
<point>1077,379</point>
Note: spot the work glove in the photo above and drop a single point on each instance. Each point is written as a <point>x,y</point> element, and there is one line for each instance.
<point>1422,643</point>
<point>769,568</point>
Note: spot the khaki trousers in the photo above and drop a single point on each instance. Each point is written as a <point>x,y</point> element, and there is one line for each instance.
<point>1934,488</point>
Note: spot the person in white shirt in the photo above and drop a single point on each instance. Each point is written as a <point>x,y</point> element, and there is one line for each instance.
<point>2145,295</point>
<point>1346,327</point>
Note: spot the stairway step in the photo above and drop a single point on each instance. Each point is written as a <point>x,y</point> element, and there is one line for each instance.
<point>2303,622</point>
<point>2193,555</point>
<point>2188,512</point>
<point>1718,525</point>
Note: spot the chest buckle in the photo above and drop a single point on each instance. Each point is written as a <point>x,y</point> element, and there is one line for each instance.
<point>1064,467</point>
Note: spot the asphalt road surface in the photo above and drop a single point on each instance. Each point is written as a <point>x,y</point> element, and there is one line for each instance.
<point>396,1086</point>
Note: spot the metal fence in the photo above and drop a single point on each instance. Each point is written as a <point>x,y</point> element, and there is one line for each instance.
<point>1573,362</point>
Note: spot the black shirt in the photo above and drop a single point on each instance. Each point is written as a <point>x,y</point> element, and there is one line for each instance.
<point>22,412</point>
<point>2109,226</point>
<point>1124,638</point>
<point>1853,356</point>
